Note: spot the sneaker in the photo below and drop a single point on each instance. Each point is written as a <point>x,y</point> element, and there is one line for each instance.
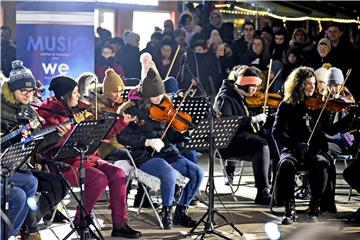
<point>125,232</point>
<point>229,180</point>
<point>263,197</point>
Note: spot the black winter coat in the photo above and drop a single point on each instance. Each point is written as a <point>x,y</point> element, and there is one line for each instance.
<point>135,135</point>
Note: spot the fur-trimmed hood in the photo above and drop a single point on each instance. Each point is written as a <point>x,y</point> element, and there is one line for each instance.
<point>7,94</point>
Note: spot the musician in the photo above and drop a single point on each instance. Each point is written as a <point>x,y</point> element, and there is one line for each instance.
<point>247,144</point>
<point>16,110</point>
<point>144,138</point>
<point>293,126</point>
<point>99,173</point>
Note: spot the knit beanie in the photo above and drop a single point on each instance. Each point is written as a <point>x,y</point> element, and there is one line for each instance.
<point>20,77</point>
<point>320,74</point>
<point>132,39</point>
<point>146,64</point>
<point>334,76</point>
<point>112,82</point>
<point>62,85</point>
<point>152,85</point>
<point>324,41</point>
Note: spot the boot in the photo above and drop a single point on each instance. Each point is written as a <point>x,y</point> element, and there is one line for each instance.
<point>182,218</point>
<point>230,170</point>
<point>328,206</point>
<point>167,219</point>
<point>313,210</point>
<point>290,214</point>
<point>263,197</point>
<point>125,232</point>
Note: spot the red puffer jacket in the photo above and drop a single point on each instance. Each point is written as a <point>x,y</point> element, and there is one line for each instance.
<point>55,119</point>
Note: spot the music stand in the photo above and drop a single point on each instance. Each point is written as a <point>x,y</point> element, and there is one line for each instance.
<point>222,131</point>
<point>196,107</point>
<point>11,160</point>
<point>84,139</point>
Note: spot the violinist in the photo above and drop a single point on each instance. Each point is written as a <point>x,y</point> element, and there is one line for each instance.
<point>99,173</point>
<point>340,143</point>
<point>16,96</point>
<point>294,124</point>
<point>146,139</point>
<point>247,143</point>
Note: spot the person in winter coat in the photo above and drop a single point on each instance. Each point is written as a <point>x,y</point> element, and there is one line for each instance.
<point>230,101</point>
<point>98,173</point>
<point>16,110</point>
<point>293,126</point>
<point>146,139</point>
<point>107,60</point>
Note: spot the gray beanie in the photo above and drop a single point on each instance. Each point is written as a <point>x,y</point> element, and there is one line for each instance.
<point>20,76</point>
<point>334,76</point>
<point>324,41</point>
<point>152,85</point>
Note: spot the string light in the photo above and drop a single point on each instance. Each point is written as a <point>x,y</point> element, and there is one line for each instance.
<point>245,11</point>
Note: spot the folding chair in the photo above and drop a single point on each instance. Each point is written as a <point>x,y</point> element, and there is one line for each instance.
<point>145,180</point>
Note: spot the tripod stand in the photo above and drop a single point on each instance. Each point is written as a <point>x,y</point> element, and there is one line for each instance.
<point>84,140</point>
<point>11,160</point>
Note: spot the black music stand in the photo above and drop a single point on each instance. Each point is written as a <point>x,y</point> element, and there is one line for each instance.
<point>208,136</point>
<point>11,160</point>
<point>196,107</point>
<point>84,139</point>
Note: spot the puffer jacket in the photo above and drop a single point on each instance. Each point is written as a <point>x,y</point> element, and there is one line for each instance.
<point>136,134</point>
<point>55,119</point>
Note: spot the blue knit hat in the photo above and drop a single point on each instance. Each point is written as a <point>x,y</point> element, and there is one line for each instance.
<point>20,77</point>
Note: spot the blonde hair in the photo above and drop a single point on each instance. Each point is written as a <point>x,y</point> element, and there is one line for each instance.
<point>295,84</point>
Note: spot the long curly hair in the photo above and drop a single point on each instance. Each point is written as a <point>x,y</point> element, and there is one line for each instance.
<point>295,84</point>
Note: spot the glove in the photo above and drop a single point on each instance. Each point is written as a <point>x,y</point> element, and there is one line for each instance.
<point>259,118</point>
<point>303,148</point>
<point>155,143</point>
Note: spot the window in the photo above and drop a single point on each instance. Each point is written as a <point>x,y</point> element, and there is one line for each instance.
<point>105,18</point>
<point>144,23</point>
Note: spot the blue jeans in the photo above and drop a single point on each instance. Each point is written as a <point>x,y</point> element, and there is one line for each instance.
<point>160,168</point>
<point>28,184</point>
<point>17,201</point>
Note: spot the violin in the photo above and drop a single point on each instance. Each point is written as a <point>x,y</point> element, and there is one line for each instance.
<point>258,100</point>
<point>333,105</point>
<point>165,112</point>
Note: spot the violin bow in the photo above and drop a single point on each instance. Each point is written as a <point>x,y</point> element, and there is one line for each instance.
<point>323,108</point>
<point>343,84</point>
<point>176,112</point>
<point>267,86</point>
<point>272,81</point>
<point>172,62</point>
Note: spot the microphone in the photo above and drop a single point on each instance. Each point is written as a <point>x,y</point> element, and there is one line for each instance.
<point>56,163</point>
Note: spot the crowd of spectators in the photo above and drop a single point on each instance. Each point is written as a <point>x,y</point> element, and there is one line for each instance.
<point>207,47</point>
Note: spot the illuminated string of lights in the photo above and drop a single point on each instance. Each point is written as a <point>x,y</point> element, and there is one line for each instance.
<point>244,11</point>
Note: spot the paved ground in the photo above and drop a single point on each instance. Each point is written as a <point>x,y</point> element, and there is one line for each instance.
<point>255,221</point>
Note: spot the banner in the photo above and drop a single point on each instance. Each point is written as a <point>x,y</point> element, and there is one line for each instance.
<point>55,38</point>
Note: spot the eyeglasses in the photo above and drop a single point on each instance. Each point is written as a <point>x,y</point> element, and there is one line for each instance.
<point>27,92</point>
<point>248,29</point>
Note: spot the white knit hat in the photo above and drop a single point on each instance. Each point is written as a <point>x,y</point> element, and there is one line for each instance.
<point>334,76</point>
<point>321,74</point>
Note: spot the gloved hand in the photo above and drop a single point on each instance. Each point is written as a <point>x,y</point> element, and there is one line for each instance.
<point>156,143</point>
<point>259,118</point>
<point>302,148</point>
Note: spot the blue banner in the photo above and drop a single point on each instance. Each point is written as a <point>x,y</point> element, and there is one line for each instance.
<point>55,42</point>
